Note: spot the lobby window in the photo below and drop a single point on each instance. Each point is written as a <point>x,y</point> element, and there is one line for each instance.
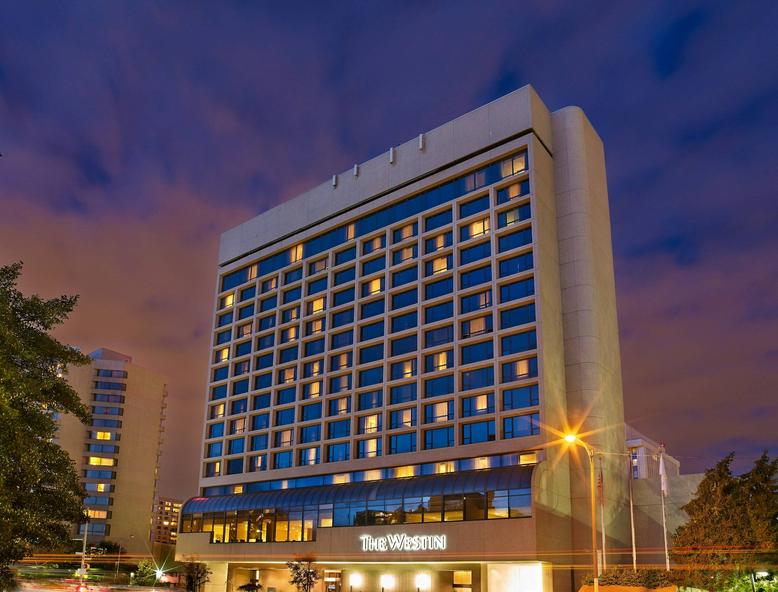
<point>514,216</point>
<point>521,342</point>
<point>521,425</point>
<point>520,398</point>
<point>309,456</point>
<point>401,443</point>
<point>474,229</point>
<point>343,339</point>
<point>475,433</point>
<point>439,242</point>
<point>438,265</point>
<point>283,460</point>
<point>478,405</point>
<point>404,369</point>
<point>403,393</point>
<point>402,418</point>
<point>513,191</point>
<point>439,361</point>
<point>439,438</point>
<point>373,244</point>
<point>369,424</point>
<point>340,406</point>
<point>519,370</point>
<point>477,326</point>
<point>405,254</point>
<point>374,286</point>
<point>480,378</point>
<point>438,288</point>
<point>369,448</point>
<point>374,265</point>
<point>404,232</point>
<point>345,256</point>
<point>343,297</point>
<point>316,305</point>
<point>517,290</point>
<point>438,412</point>
<point>314,327</point>
<point>477,352</point>
<point>370,400</point>
<point>340,361</point>
<point>338,452</point>
<point>404,299</point>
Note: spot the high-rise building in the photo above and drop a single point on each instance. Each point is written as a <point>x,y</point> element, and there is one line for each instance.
<point>164,522</point>
<point>117,455</point>
<point>396,357</point>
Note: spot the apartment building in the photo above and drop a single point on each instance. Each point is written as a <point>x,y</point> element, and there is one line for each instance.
<point>164,524</point>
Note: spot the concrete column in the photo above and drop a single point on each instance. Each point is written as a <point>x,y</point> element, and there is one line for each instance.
<point>217,581</point>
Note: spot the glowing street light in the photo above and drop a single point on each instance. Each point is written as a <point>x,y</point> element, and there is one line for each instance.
<point>575,440</point>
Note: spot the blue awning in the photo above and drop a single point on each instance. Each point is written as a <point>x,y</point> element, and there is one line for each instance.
<point>517,477</point>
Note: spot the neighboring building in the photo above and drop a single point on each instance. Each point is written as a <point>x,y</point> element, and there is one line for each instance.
<point>117,456</point>
<point>644,457</point>
<point>396,355</point>
<point>164,523</point>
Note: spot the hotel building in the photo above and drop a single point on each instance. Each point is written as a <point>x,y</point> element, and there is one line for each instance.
<point>117,455</point>
<point>396,356</point>
<point>164,525</point>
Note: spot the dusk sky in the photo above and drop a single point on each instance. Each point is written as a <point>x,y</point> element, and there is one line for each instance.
<point>133,133</point>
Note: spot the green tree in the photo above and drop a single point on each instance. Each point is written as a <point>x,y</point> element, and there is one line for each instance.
<point>732,526</point>
<point>40,495</point>
<point>146,573</point>
<point>303,574</point>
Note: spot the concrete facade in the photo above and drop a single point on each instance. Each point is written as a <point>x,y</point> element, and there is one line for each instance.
<point>117,456</point>
<point>537,172</point>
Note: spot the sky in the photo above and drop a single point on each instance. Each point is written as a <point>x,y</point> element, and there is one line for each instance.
<point>133,133</point>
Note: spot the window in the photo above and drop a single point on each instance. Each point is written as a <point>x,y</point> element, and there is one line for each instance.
<point>310,412</point>
<point>438,243</point>
<point>282,460</point>
<point>289,334</point>
<point>344,276</point>
<point>344,317</point>
<point>406,231</point>
<point>370,400</point>
<point>369,448</point>
<point>340,383</point>
<point>512,192</point>
<point>338,452</point>
<point>246,311</point>
<point>437,220</point>
<point>404,276</point>
<point>516,264</point>
<point>439,438</point>
<point>284,417</point>
<point>438,265</point>
<point>519,398</point>
<point>215,430</point>
<point>343,297</point>
<point>407,321</point>
<point>266,323</point>
<point>373,244</point>
<point>242,330</point>
<point>474,229</point>
<point>521,425</point>
<point>342,339</point>
<point>339,429</point>
<point>242,349</point>
<point>296,253</point>
<point>405,254</point>
<point>314,347</point>
<point>311,433</point>
<point>474,433</point>
<point>268,304</point>
<point>214,411</point>
<point>344,256</point>
<point>404,345</point>
<point>405,369</point>
<point>439,288</point>
<point>402,418</point>
<point>477,352</point>
<point>480,378</point>
<point>371,331</point>
<point>340,361</point>
<point>314,327</point>
<point>226,301</point>
<point>436,387</point>
<point>474,277</point>
<point>439,336</point>
<point>477,326</point>
<point>479,204</point>
<point>439,361</point>
<point>402,394</point>
<point>263,381</point>
<point>287,355</point>
<point>519,370</point>
<point>261,402</point>
<point>290,314</point>
<point>289,277</point>
<point>222,337</point>
<point>514,216</point>
<point>373,265</point>
<point>240,386</point>
<point>439,312</point>
<point>371,376</point>
<point>521,342</point>
<point>260,422</point>
<point>292,295</point>
<point>517,290</point>
<point>317,266</point>
<point>370,424</point>
<point>404,299</point>
<point>515,240</point>
<point>438,412</point>
<point>309,456</point>
<point>371,309</point>
<point>372,353</point>
<point>475,253</point>
<point>236,446</point>
<point>258,442</point>
<point>265,341</point>
<point>316,306</point>
<point>312,390</point>
<point>401,443</point>
<point>239,406</point>
<point>220,355</point>
<point>257,463</point>
<point>478,405</point>
<point>374,286</point>
<point>283,438</point>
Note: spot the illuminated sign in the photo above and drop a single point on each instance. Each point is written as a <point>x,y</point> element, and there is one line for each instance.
<point>403,542</point>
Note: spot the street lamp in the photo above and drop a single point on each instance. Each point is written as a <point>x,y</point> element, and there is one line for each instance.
<point>573,439</point>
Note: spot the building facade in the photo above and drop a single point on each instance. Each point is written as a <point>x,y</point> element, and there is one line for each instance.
<point>117,455</point>
<point>164,521</point>
<point>397,355</point>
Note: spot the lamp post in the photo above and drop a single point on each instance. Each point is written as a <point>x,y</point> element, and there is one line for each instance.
<point>573,439</point>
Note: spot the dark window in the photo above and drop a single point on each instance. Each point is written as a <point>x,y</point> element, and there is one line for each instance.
<point>479,204</point>
<point>515,239</point>
<point>338,452</point>
<point>246,312</point>
<point>517,290</point>
<point>521,425</point>
<point>234,466</point>
<point>261,401</point>
<point>519,398</point>
<point>404,276</point>
<point>310,412</point>
<point>287,395</point>
<point>374,265</point>
<point>371,331</point>
<point>314,347</point>
<point>514,344</point>
<point>282,460</point>
<point>293,275</point>
<point>268,303</point>
<point>239,406</point>
<point>216,430</point>
<point>475,253</point>
<point>222,337</point>
<point>242,349</point>
<point>343,318</point>
<point>405,299</point>
<point>218,392</point>
<point>223,372</point>
<point>439,438</point>
<point>339,429</point>
<point>343,297</point>
<point>263,381</point>
<point>224,319</point>
<point>435,387</point>
<point>371,376</point>
<point>437,220</point>
<point>482,431</point>
<point>516,264</point>
<point>480,378</point>
<point>265,341</point>
<point>310,433</point>
<point>287,355</point>
<point>292,295</point>
<point>402,394</point>
<point>342,339</point>
<point>258,442</point>
<point>266,323</point>
<point>439,312</point>
<point>241,386</point>
<point>317,286</point>
<point>477,352</point>
<point>474,277</point>
<point>407,321</point>
<point>401,443</point>
<point>439,336</point>
<point>370,400</point>
<point>346,255</point>
<point>372,353</point>
<point>284,417</point>
<point>439,288</point>
<point>372,309</point>
<point>344,276</point>
<point>236,446</point>
<point>404,345</point>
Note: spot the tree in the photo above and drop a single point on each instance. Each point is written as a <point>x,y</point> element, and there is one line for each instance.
<point>303,574</point>
<point>196,575</point>
<point>40,494</point>
<point>732,526</point>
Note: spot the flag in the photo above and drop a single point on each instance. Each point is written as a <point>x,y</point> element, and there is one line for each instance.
<point>662,473</point>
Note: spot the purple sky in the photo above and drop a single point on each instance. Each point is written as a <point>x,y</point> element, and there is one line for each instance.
<point>133,133</point>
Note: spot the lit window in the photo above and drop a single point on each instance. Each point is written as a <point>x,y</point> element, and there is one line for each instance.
<point>340,406</point>
<point>370,424</point>
<point>405,254</point>
<point>440,265</point>
<point>315,306</point>
<point>315,326</point>
<point>317,266</point>
<point>284,438</point>
<point>404,232</point>
<point>238,426</point>
<point>521,369</point>
<point>408,368</point>
<point>314,389</point>
<point>222,354</point>
<point>227,301</point>
<point>243,330</point>
<point>99,461</point>
<point>478,228</point>
<point>97,514</point>
<point>516,164</point>
<point>103,435</point>
<point>481,403</point>
<point>373,286</point>
<point>269,284</point>
<point>444,467</point>
<point>406,471</point>
<point>289,334</point>
<point>295,253</point>
<point>287,375</point>
<point>253,272</point>
<point>440,360</point>
<point>101,487</point>
<point>341,478</point>
<point>349,232</point>
<point>438,242</point>
<point>438,411</point>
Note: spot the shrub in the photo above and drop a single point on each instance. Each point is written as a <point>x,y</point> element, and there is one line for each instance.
<point>647,578</point>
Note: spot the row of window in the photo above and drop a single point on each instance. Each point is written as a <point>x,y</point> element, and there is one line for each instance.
<point>512,427</point>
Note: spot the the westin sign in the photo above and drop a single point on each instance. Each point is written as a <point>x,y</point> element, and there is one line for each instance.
<point>403,542</point>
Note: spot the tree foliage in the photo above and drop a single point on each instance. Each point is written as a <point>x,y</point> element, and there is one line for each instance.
<point>303,574</point>
<point>196,575</point>
<point>40,495</point>
<point>146,573</point>
<point>733,525</point>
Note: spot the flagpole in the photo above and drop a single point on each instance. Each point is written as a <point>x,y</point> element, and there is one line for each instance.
<point>632,513</point>
<point>602,517</point>
<point>663,494</point>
